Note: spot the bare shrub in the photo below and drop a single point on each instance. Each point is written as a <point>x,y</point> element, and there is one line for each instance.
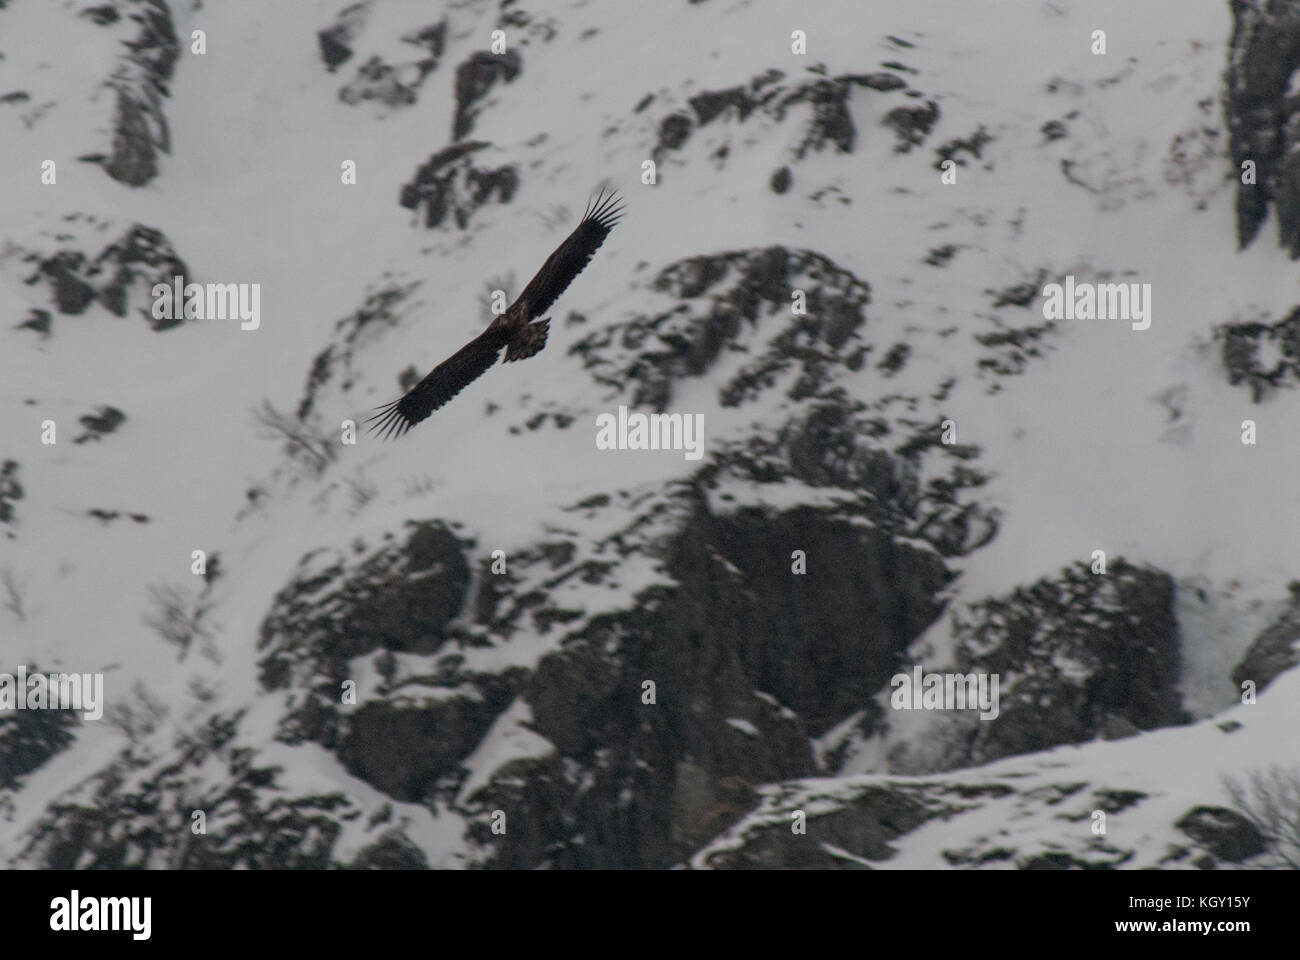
<point>1270,800</point>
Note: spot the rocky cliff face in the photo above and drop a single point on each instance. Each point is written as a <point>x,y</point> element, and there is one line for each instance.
<point>496,645</point>
<point>120,277</point>
<point>1262,108</point>
<point>140,83</point>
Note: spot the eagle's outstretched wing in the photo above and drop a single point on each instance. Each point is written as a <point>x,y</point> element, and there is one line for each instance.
<point>524,339</point>
<point>571,256</point>
<point>443,382</point>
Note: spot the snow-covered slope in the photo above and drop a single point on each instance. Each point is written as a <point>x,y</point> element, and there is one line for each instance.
<point>520,690</point>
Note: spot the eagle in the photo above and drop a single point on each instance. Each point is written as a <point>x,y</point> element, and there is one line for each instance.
<point>517,330</point>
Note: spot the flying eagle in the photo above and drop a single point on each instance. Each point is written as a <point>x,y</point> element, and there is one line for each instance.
<point>517,330</point>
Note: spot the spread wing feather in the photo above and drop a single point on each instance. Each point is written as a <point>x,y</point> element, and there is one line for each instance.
<point>570,257</point>
<point>443,382</point>
<point>472,360</point>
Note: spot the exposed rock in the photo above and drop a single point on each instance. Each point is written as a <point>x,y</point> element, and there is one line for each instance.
<point>729,297</point>
<point>1265,356</point>
<point>448,184</point>
<point>103,15</point>
<point>1276,649</point>
<point>119,277</point>
<point>28,738</point>
<point>1075,652</point>
<point>736,698</point>
<point>137,814</point>
<point>71,293</point>
<point>1010,349</point>
<point>831,121</point>
<point>1264,116</point>
<point>132,266</point>
<point>1054,860</point>
<point>100,423</point>
<point>393,851</point>
<point>721,638</point>
<point>393,84</point>
<point>814,654</point>
<point>383,309</point>
<point>40,321</point>
<point>1076,655</point>
<point>525,26</point>
<point>400,598</point>
<point>855,822</point>
<point>475,78</point>
<point>711,104</point>
<point>940,256</point>
<point>858,830</point>
<point>912,124</point>
<point>916,487</point>
<point>403,750</point>
<point>952,150</point>
<point>884,82</point>
<point>135,151</point>
<point>1224,833</point>
<point>140,130</point>
<point>1054,130</point>
<point>674,130</point>
<point>1020,294</point>
<point>337,39</point>
<point>11,491</point>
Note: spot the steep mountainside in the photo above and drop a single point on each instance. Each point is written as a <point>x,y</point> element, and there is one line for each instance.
<point>496,644</point>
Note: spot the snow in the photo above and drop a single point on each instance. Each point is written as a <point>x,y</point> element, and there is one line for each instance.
<point>509,739</point>
<point>1081,449</point>
<point>743,725</point>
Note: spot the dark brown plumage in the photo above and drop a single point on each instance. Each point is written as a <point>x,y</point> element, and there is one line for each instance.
<point>515,330</point>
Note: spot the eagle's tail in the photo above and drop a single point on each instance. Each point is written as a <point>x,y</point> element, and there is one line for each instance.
<point>530,340</point>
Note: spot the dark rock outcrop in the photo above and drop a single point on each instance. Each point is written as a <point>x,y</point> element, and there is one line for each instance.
<point>120,277</point>
<point>11,491</point>
<point>860,829</point>
<point>747,659</point>
<point>403,750</point>
<point>383,310</point>
<point>475,78</point>
<point>100,423</point>
<point>723,296</point>
<point>1226,834</point>
<point>772,95</point>
<point>401,598</point>
<point>911,125</point>
<point>392,84</point>
<point>336,40</point>
<point>393,851</point>
<point>1078,656</point>
<point>448,184</point>
<point>1264,116</point>
<point>28,738</point>
<point>1245,347</point>
<point>1275,650</point>
<point>140,130</point>
<point>815,825</point>
<point>138,813</point>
